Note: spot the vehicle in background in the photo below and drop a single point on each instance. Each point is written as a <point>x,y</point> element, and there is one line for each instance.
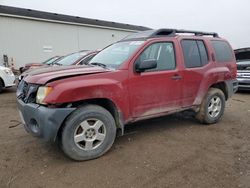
<point>145,75</point>
<point>7,78</point>
<point>77,58</point>
<point>243,68</point>
<point>48,62</point>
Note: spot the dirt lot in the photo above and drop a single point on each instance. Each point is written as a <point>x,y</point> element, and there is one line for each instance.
<point>173,151</point>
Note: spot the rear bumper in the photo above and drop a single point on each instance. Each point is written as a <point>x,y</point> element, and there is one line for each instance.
<point>42,122</point>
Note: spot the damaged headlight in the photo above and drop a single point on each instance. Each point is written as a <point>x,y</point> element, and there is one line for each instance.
<point>42,93</point>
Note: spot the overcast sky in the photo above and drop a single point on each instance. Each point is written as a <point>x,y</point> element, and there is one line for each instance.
<point>230,18</point>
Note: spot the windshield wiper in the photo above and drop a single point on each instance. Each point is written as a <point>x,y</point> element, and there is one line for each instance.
<point>99,64</point>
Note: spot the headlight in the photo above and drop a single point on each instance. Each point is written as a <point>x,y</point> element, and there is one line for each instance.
<point>42,92</point>
<point>8,71</point>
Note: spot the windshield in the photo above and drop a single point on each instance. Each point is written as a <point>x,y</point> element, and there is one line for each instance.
<point>116,54</point>
<point>51,60</point>
<point>71,59</point>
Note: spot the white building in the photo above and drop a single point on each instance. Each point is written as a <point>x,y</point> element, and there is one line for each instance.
<point>28,36</point>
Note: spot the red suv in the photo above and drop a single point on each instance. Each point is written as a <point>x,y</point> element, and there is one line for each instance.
<point>145,75</point>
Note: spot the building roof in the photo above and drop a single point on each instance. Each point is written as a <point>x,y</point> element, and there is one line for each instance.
<point>55,17</point>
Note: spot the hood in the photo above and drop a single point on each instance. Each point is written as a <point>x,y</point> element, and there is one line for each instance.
<point>45,75</point>
<point>33,64</point>
<point>28,71</point>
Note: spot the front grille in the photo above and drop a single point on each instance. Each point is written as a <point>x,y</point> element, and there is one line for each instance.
<point>243,74</point>
<point>244,84</point>
<point>27,92</point>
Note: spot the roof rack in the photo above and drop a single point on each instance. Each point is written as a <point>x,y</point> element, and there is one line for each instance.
<point>196,33</point>
<point>166,32</point>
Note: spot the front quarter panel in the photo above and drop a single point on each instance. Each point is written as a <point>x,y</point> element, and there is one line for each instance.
<point>111,85</point>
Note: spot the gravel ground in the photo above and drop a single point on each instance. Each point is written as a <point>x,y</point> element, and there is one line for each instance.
<point>173,151</point>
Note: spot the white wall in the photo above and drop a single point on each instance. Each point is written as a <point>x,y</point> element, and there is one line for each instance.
<point>24,40</point>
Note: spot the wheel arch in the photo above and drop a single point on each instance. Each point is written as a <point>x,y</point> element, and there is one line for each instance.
<point>105,103</point>
<point>222,86</point>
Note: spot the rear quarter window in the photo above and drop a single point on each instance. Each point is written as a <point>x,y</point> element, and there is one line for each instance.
<point>223,52</point>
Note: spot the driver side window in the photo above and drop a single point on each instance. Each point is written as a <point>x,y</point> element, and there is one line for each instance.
<point>163,53</point>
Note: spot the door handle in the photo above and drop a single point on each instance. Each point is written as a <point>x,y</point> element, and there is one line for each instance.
<point>176,77</point>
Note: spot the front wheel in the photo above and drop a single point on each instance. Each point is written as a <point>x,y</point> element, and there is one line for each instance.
<point>88,133</point>
<point>212,107</point>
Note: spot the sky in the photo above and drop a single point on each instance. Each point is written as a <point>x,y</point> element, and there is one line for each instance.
<point>229,18</point>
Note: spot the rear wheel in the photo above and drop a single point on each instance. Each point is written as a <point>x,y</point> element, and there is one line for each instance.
<point>88,133</point>
<point>212,107</point>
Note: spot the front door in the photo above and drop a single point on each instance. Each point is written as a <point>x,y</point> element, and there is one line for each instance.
<point>157,90</point>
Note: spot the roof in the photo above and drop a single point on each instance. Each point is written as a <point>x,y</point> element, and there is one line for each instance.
<point>47,16</point>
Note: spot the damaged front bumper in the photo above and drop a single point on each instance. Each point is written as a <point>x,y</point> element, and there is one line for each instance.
<point>41,121</point>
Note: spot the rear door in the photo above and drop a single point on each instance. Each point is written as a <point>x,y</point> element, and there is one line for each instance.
<point>156,90</point>
<point>196,62</point>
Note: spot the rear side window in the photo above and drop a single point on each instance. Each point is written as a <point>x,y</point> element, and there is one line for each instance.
<point>195,53</point>
<point>203,52</point>
<point>223,52</point>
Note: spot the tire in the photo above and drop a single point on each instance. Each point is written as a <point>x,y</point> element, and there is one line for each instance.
<point>1,86</point>
<point>212,107</point>
<point>88,133</point>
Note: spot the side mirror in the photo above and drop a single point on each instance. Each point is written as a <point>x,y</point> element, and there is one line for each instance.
<point>141,66</point>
